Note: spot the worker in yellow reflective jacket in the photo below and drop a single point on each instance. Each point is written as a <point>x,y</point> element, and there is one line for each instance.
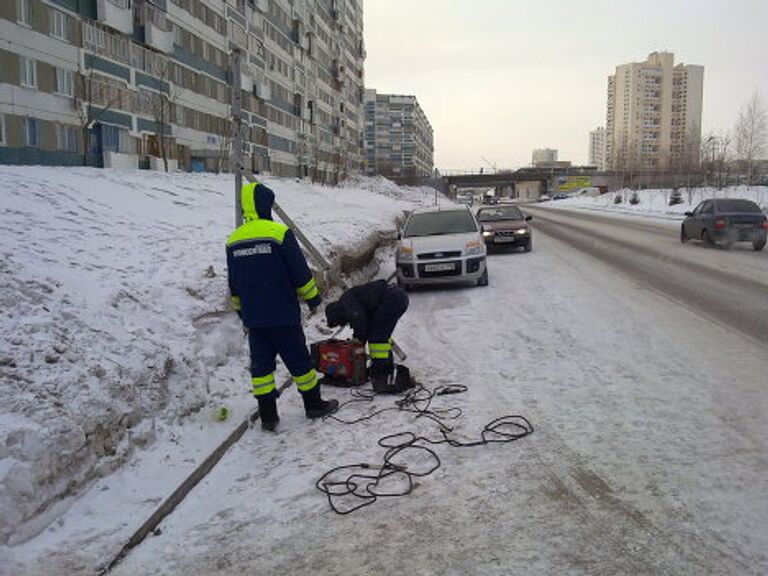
<point>268,274</point>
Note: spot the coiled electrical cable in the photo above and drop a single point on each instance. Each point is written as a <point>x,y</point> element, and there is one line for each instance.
<point>351,487</point>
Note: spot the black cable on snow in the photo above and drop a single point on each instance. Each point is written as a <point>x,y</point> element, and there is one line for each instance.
<point>351,487</point>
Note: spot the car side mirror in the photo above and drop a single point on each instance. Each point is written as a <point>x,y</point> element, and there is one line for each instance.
<point>689,213</point>
<point>528,218</point>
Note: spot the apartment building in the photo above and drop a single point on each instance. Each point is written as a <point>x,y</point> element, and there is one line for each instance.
<point>142,83</point>
<point>398,139</point>
<point>597,148</point>
<point>653,117</point>
<point>543,156</point>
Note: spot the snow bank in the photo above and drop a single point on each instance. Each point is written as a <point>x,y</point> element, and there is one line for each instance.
<point>114,315</point>
<point>655,203</point>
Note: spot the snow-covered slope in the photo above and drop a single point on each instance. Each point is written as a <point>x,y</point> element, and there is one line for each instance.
<point>113,307</point>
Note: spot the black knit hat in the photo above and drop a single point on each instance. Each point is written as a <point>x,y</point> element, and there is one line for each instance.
<point>335,314</point>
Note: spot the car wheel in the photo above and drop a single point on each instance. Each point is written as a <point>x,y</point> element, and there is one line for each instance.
<point>483,280</point>
<point>707,239</point>
<point>758,245</point>
<point>683,236</point>
<point>528,246</point>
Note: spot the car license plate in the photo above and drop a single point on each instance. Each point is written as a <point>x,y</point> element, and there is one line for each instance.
<point>504,239</point>
<point>744,225</point>
<point>438,267</point>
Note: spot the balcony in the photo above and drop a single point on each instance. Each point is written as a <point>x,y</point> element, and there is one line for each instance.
<point>157,32</point>
<point>117,14</point>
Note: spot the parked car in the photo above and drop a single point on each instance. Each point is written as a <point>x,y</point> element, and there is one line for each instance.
<point>726,221</point>
<point>441,245</point>
<point>560,196</point>
<point>505,226</point>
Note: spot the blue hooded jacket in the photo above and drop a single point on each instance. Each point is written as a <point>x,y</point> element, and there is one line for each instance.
<point>266,269</point>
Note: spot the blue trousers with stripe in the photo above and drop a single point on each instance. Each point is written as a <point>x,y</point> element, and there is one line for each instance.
<point>287,341</point>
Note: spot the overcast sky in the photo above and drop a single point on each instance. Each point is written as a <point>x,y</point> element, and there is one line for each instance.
<point>498,78</point>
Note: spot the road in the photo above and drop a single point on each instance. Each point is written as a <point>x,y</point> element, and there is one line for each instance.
<point>648,456</point>
<point>730,287</point>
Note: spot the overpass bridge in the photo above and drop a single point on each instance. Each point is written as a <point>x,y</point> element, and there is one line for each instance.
<point>529,183</point>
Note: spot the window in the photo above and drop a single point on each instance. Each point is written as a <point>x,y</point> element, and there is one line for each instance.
<point>58,24</point>
<point>64,82</point>
<point>2,129</point>
<point>24,13</point>
<point>31,132</point>
<point>68,138</point>
<point>28,72</point>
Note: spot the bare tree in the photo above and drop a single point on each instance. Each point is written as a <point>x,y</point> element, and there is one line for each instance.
<point>160,103</point>
<point>750,134</point>
<point>92,98</point>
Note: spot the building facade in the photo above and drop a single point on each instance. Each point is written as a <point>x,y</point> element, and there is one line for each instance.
<point>543,156</point>
<point>653,116</point>
<point>145,83</point>
<point>398,139</point>
<point>597,148</point>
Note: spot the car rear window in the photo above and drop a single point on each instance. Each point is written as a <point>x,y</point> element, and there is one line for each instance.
<point>506,213</point>
<point>737,206</point>
<point>436,223</point>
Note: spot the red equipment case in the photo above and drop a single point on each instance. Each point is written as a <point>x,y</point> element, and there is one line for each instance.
<point>343,362</point>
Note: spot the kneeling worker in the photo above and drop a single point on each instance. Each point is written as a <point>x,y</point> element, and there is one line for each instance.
<point>372,310</point>
<point>267,274</point>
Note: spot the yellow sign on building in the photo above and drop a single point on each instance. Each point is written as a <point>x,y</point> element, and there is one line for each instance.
<point>570,183</point>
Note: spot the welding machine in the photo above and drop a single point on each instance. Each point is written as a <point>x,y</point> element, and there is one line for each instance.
<point>343,362</point>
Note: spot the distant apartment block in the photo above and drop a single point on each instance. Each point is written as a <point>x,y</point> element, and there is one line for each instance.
<point>398,139</point>
<point>597,148</point>
<point>130,82</point>
<point>653,118</point>
<point>543,156</point>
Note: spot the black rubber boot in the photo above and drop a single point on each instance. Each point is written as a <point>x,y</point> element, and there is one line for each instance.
<point>381,374</point>
<point>268,413</point>
<point>315,406</point>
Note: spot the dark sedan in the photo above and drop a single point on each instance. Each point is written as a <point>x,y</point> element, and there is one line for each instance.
<point>505,226</point>
<point>726,221</point>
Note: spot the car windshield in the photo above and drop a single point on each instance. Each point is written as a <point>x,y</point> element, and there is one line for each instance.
<point>737,206</point>
<point>496,214</point>
<point>436,223</point>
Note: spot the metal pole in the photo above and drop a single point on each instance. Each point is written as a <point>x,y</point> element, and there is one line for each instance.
<point>236,157</point>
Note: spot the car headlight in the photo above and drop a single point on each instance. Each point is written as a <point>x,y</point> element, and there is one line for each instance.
<point>521,231</point>
<point>474,247</point>
<point>405,254</point>
<point>487,231</point>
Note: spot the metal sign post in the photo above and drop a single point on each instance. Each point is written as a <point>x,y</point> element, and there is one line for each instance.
<point>236,156</point>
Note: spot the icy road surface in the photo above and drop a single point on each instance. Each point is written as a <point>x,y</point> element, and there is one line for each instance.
<point>649,455</point>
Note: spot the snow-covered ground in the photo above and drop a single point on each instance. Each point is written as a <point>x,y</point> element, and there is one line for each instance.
<point>648,455</point>
<point>655,203</point>
<point>115,331</point>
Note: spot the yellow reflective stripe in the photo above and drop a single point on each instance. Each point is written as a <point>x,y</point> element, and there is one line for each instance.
<point>236,304</point>
<point>261,385</point>
<point>307,381</point>
<point>379,349</point>
<point>248,200</point>
<point>309,290</point>
<point>258,230</point>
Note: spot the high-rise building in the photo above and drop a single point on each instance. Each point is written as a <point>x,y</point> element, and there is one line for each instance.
<point>653,118</point>
<point>543,156</point>
<point>134,82</point>
<point>597,148</point>
<point>398,140</point>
